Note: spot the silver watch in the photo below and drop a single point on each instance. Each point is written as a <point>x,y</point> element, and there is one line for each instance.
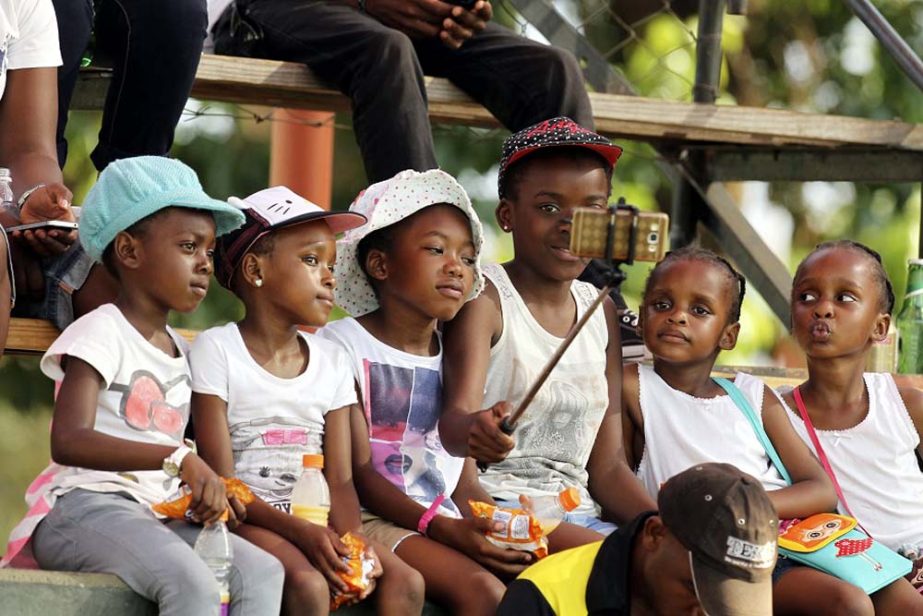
<point>173,464</point>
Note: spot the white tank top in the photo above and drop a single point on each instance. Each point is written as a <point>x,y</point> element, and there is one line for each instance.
<point>681,431</point>
<point>876,467</point>
<point>556,434</point>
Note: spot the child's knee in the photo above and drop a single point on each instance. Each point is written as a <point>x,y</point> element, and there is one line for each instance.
<point>192,586</point>
<point>306,592</point>
<point>259,576</point>
<point>481,594</point>
<point>844,599</point>
<point>402,586</point>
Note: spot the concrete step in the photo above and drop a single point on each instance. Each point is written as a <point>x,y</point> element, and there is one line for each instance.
<point>28,592</point>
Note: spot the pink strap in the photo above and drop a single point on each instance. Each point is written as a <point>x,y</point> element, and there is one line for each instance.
<point>812,434</point>
<point>429,514</point>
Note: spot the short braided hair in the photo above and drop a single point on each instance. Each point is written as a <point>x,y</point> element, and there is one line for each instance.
<point>885,289</point>
<point>695,253</point>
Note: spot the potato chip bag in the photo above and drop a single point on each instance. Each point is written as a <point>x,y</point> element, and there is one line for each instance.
<point>357,577</point>
<point>521,531</point>
<point>177,507</point>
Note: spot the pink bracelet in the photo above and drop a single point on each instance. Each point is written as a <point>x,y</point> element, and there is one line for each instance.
<point>429,514</point>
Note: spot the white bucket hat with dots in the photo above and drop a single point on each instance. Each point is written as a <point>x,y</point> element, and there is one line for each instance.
<point>389,202</point>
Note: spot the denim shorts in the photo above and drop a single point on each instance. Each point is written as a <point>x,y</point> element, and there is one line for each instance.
<point>64,274</point>
<point>783,566</point>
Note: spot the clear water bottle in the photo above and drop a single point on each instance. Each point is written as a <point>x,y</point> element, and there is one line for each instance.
<point>6,188</point>
<point>550,510</point>
<point>311,496</point>
<point>910,322</point>
<point>214,547</point>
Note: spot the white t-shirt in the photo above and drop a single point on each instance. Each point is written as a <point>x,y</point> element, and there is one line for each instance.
<point>402,397</point>
<point>145,398</point>
<point>28,36</point>
<point>215,9</point>
<point>273,421</point>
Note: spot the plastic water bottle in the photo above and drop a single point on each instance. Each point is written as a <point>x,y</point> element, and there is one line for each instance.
<point>311,496</point>
<point>6,188</point>
<point>550,510</point>
<point>214,547</point>
<point>910,322</point>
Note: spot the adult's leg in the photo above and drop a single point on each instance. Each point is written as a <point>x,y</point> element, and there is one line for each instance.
<point>803,590</point>
<point>520,81</point>
<point>155,47</point>
<point>306,591</point>
<point>374,65</point>
<point>75,22</point>
<point>256,579</point>
<point>452,579</point>
<point>110,533</point>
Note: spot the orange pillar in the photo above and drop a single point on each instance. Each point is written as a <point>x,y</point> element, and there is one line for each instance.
<point>301,153</point>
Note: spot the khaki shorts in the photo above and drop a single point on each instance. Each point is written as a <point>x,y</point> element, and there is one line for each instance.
<point>384,532</point>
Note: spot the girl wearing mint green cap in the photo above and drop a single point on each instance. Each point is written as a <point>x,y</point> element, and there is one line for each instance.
<point>123,403</point>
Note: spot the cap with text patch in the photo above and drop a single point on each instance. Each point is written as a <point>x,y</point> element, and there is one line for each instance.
<point>268,210</point>
<point>554,133</point>
<point>730,527</point>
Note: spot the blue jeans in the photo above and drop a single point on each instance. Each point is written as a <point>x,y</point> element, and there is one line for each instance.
<point>64,274</point>
<point>112,533</point>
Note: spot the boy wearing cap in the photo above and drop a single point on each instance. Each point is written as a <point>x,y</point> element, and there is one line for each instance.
<point>266,394</point>
<point>570,436</point>
<point>710,550</point>
<point>123,404</point>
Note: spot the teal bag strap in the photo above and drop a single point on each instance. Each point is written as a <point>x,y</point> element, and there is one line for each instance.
<point>743,404</point>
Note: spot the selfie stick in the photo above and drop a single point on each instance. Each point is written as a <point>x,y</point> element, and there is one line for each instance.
<point>509,423</point>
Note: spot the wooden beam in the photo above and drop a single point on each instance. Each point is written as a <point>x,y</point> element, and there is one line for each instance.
<point>847,165</point>
<point>34,336</point>
<point>285,84</point>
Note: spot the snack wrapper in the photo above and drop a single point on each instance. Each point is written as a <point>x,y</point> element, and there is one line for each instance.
<point>177,507</point>
<point>360,567</point>
<point>520,531</point>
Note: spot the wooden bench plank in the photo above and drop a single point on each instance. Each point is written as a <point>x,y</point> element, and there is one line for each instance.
<point>286,84</point>
<point>34,336</point>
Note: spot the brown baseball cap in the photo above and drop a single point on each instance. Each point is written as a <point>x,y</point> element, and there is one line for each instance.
<point>730,527</point>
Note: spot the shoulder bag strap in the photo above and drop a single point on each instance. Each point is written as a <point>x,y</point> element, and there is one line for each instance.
<point>744,405</point>
<point>812,434</point>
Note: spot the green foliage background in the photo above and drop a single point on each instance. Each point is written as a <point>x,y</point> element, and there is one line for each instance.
<point>783,54</point>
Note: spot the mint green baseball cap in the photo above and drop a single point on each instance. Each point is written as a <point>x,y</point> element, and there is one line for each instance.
<point>133,188</point>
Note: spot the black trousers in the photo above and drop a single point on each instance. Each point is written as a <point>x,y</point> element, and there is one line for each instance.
<point>381,70</point>
<point>154,47</point>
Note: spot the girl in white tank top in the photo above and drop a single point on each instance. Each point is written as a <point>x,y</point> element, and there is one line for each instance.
<point>676,416</point>
<point>867,425</point>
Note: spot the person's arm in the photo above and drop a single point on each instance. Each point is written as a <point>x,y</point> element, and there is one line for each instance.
<point>384,499</point>
<point>75,442</point>
<point>28,120</point>
<point>611,483</point>
<point>469,488</point>
<point>632,419</point>
<point>465,429</point>
<point>913,401</point>
<point>344,504</point>
<point>811,490</point>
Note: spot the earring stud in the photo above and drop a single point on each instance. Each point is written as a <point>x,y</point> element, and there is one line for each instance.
<point>258,282</point>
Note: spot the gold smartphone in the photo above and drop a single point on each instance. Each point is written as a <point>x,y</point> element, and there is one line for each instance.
<point>649,229</point>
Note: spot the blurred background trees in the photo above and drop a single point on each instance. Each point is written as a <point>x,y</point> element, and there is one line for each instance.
<point>811,55</point>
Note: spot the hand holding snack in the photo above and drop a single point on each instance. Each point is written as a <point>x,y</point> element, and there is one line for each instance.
<point>518,530</point>
<point>180,506</point>
<point>359,576</point>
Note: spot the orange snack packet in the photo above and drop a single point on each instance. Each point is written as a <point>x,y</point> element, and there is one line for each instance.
<point>357,578</point>
<point>520,531</point>
<point>177,507</point>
